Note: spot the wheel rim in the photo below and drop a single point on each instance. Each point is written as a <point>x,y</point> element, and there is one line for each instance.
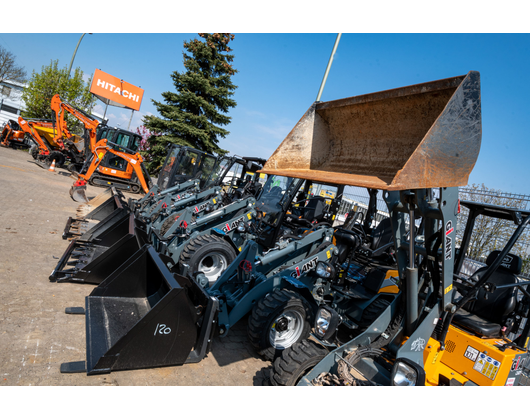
<point>212,266</point>
<point>286,330</point>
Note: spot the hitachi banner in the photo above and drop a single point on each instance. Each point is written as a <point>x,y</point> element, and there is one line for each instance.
<point>114,91</point>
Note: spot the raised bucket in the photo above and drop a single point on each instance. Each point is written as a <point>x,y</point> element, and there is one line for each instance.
<point>421,136</point>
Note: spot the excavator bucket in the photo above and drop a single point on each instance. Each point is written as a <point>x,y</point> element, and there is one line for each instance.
<point>144,316</point>
<point>421,136</point>
<point>78,193</point>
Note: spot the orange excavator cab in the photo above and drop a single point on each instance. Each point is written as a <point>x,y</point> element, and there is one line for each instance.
<point>12,135</point>
<point>115,162</point>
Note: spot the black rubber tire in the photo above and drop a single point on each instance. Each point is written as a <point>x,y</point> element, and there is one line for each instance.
<point>58,157</point>
<point>295,362</point>
<point>265,313</point>
<point>34,151</point>
<point>202,246</point>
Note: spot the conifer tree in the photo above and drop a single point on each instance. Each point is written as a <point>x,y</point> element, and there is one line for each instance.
<point>195,113</point>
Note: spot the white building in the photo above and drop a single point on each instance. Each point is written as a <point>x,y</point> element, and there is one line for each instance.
<point>10,100</point>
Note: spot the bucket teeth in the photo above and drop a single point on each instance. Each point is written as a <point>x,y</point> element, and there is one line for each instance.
<point>78,254</point>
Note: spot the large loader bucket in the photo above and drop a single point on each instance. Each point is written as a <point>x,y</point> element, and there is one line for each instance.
<point>143,316</point>
<point>421,136</point>
<point>91,262</point>
<point>101,216</point>
<point>91,205</point>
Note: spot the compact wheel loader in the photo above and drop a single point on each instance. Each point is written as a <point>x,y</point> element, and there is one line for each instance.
<point>428,335</point>
<point>109,243</point>
<point>405,142</point>
<point>185,169</point>
<point>281,248</point>
<point>481,339</point>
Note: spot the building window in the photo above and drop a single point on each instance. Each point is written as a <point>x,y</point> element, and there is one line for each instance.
<point>6,91</point>
<point>8,108</point>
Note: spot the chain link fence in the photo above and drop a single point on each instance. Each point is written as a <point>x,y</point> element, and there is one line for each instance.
<point>494,237</point>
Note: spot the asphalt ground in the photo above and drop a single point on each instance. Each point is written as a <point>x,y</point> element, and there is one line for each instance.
<point>36,335</point>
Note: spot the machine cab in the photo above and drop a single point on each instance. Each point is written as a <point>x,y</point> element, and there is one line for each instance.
<point>120,140</point>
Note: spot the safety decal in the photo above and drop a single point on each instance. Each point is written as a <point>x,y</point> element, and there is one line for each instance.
<point>487,366</point>
<point>471,353</point>
<point>510,382</point>
<point>214,201</point>
<point>249,216</point>
<point>328,254</point>
<point>448,289</point>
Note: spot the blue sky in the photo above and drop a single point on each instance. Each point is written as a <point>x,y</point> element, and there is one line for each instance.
<point>280,74</point>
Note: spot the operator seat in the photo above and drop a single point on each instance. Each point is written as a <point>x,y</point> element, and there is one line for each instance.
<point>382,234</point>
<point>487,315</point>
<point>314,209</point>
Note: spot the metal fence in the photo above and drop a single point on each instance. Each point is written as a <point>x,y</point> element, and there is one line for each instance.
<point>518,201</point>
<point>357,199</point>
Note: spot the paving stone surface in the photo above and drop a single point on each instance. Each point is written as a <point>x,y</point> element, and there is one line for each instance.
<point>36,336</point>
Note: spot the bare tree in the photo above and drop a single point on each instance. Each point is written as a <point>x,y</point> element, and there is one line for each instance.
<point>8,67</point>
<point>490,233</point>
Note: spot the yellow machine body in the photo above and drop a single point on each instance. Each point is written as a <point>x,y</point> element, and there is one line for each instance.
<point>470,358</point>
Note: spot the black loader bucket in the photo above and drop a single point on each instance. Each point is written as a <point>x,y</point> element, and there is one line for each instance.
<point>98,200</point>
<point>87,226</point>
<point>143,316</point>
<point>421,136</point>
<point>91,262</point>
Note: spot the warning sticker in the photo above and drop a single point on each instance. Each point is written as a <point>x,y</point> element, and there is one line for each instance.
<point>487,366</point>
<point>510,382</point>
<point>471,353</point>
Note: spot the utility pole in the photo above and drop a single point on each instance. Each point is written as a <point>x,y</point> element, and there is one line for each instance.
<point>328,67</point>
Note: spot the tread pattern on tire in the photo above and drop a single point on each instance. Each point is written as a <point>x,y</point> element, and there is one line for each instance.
<point>195,245</point>
<point>295,361</point>
<point>261,316</point>
<point>198,242</point>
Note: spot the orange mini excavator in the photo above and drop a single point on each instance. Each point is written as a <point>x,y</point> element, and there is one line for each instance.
<point>12,135</point>
<point>114,163</point>
<point>55,142</point>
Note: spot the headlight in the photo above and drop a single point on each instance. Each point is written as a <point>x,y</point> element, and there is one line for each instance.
<point>326,323</point>
<point>325,270</point>
<point>241,227</point>
<point>407,373</point>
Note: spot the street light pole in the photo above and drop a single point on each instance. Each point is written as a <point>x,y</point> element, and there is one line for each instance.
<point>328,67</point>
<point>75,52</point>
